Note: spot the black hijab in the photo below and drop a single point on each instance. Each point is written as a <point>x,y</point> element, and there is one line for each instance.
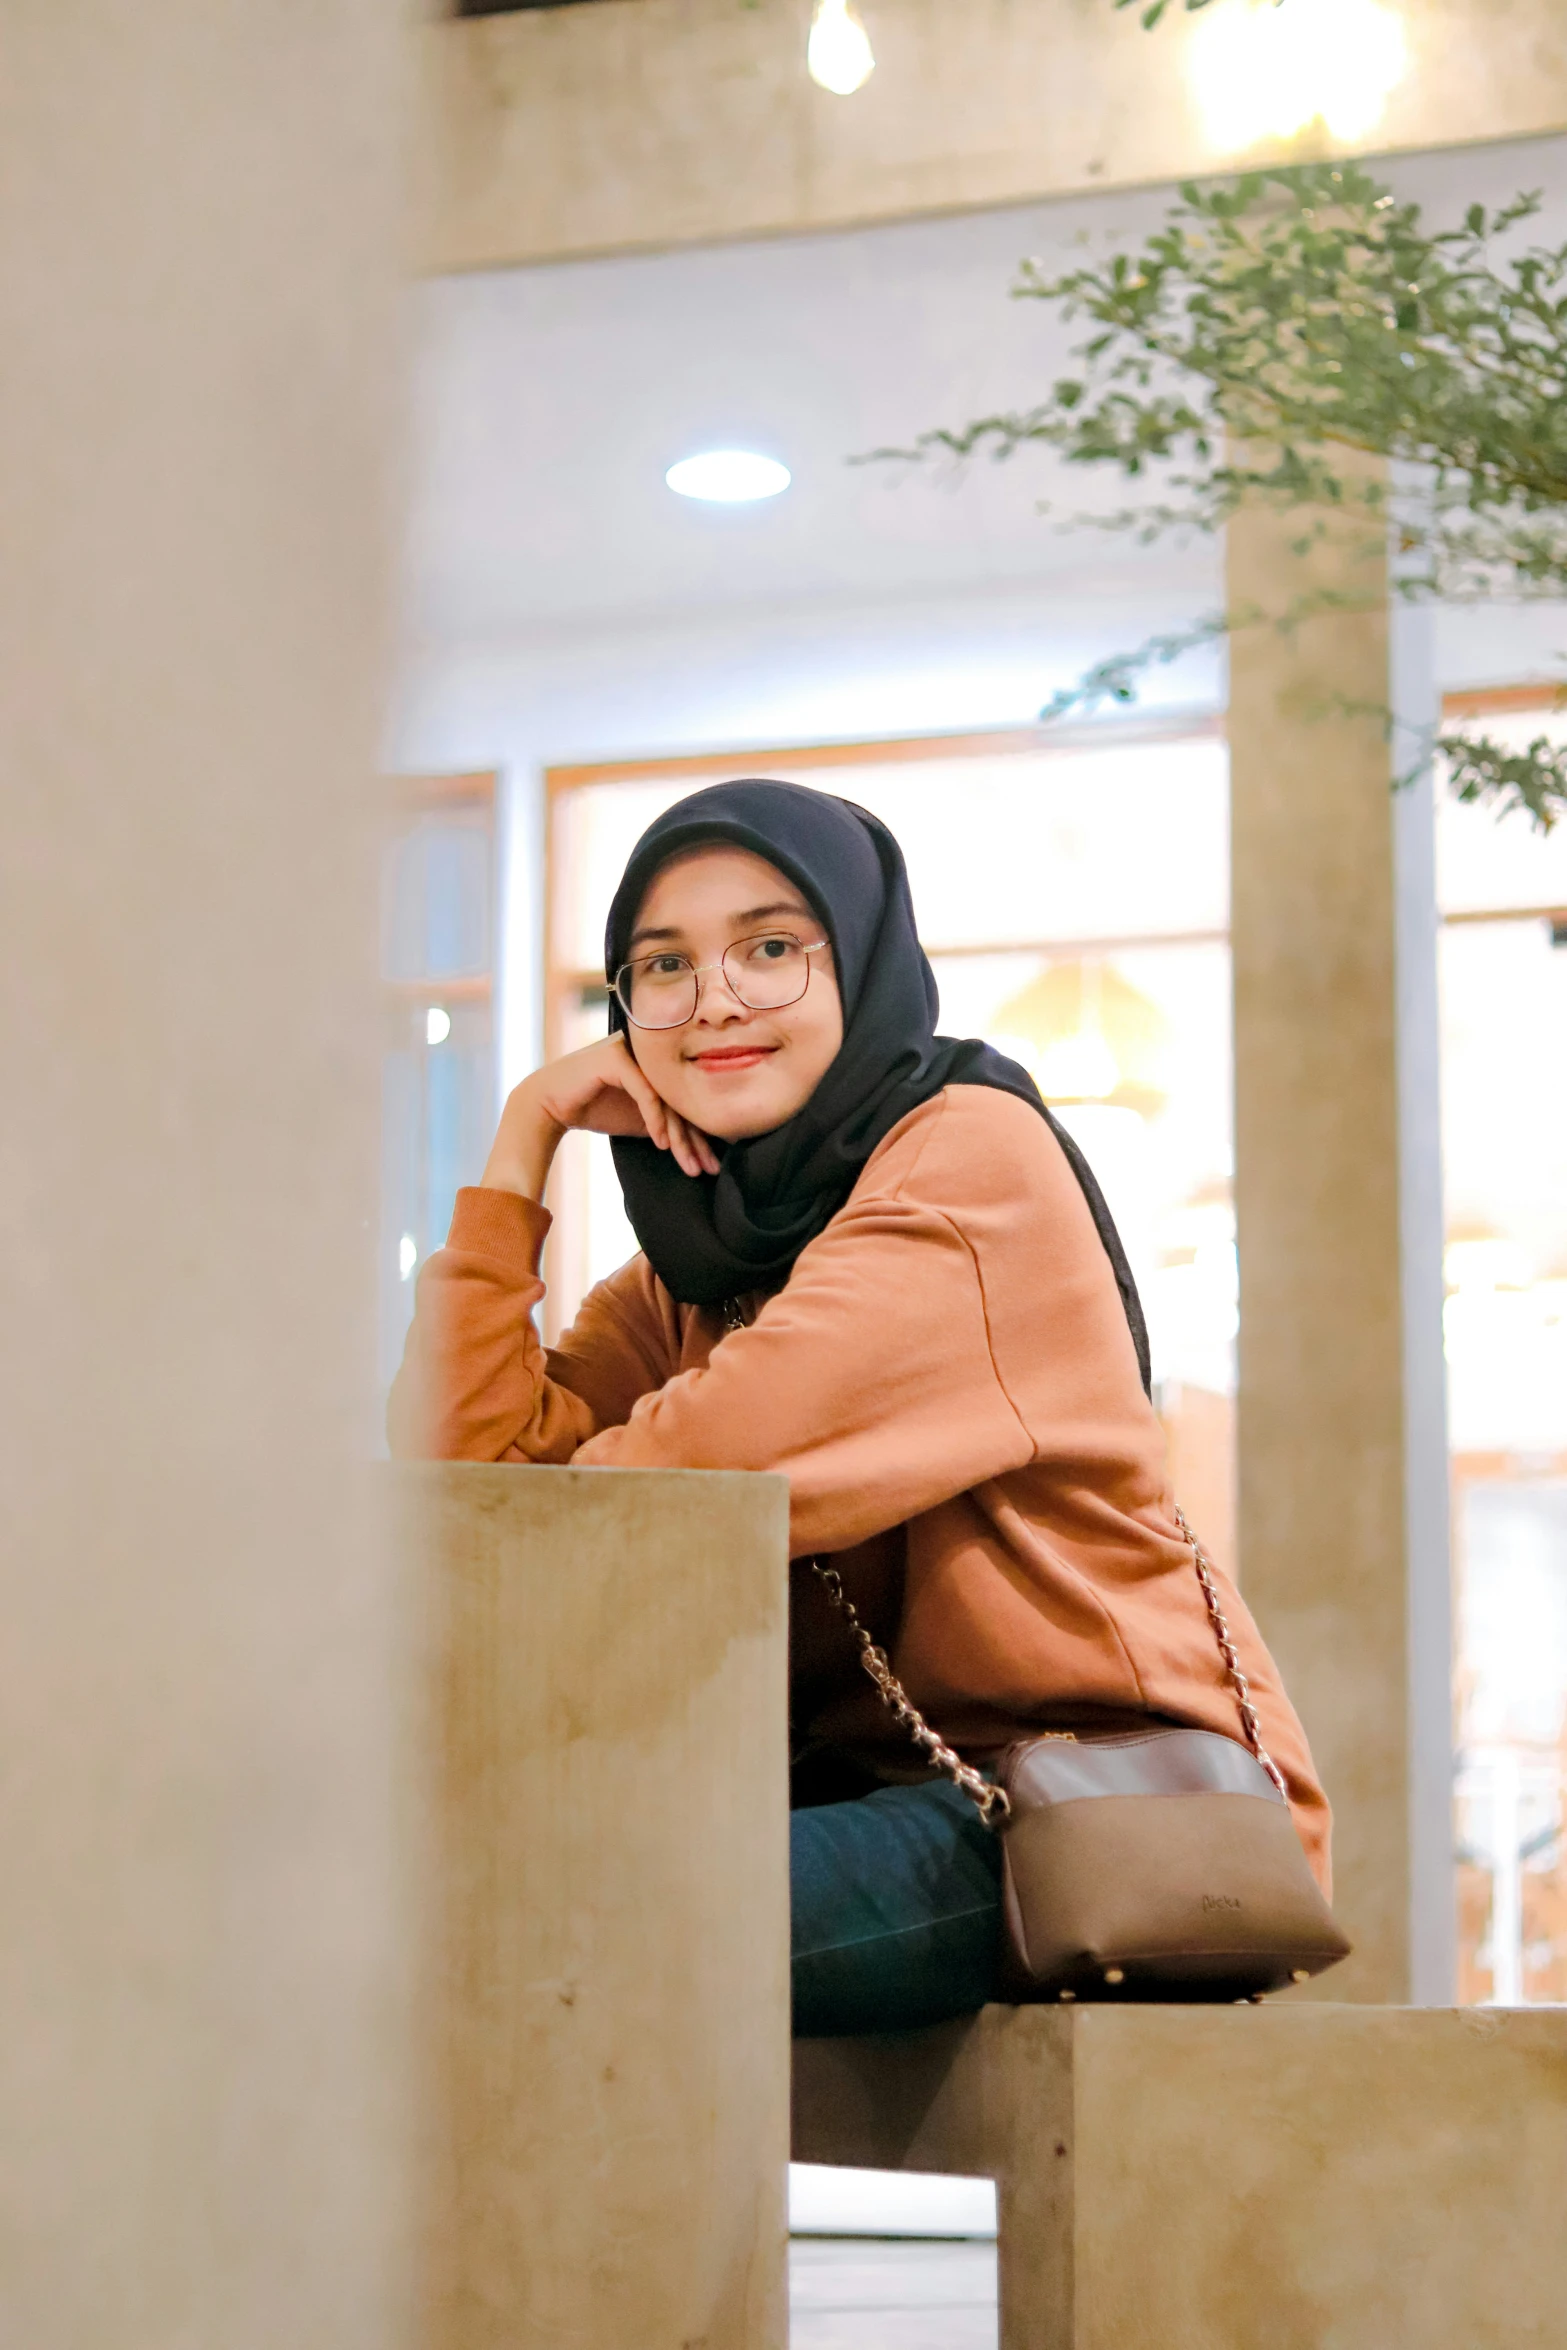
<point>712,1237</point>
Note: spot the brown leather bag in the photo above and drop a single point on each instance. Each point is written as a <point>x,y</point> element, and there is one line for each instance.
<point>1157,1863</point>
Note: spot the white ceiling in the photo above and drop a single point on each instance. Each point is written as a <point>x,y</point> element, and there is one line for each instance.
<point>548,403</point>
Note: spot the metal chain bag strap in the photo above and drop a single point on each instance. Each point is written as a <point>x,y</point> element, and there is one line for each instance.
<point>1151,1864</point>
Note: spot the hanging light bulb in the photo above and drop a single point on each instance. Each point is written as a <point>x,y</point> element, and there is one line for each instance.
<point>839,51</point>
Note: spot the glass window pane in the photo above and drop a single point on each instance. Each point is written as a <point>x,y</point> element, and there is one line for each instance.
<point>1125,840</point>
<point>1504,1116</point>
<point>1484,861</point>
<point>1504,1078</point>
<point>438,1060</point>
<point>1128,841</point>
<point>1512,1873</point>
<point>436,899</point>
<point>437,1121</point>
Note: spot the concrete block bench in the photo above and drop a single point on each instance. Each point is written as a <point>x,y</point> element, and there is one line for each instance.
<point>1296,2176</point>
<point>602,1750</point>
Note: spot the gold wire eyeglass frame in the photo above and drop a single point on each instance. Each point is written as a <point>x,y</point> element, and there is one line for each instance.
<point>697,972</point>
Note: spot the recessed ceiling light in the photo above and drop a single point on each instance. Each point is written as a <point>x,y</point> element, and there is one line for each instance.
<point>728,477</point>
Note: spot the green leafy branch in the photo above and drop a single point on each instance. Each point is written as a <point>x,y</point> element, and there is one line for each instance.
<point>1277,324</point>
<point>1529,780</point>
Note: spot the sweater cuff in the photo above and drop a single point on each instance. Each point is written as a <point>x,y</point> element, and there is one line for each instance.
<point>499,1224</point>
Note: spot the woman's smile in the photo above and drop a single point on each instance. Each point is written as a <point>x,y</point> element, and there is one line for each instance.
<point>717,1060</point>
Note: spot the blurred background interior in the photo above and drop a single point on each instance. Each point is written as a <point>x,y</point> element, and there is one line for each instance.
<point>583,644</point>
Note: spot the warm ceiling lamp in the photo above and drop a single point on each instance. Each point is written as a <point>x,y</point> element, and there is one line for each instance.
<point>1087,1035</point>
<point>1268,69</point>
<point>839,50</point>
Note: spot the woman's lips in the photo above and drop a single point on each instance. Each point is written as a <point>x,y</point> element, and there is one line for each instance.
<point>723,1058</point>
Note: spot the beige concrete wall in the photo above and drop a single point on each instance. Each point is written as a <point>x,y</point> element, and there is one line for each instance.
<point>203,2117</point>
<point>609,2025</point>
<point>644,123</point>
<point>1320,1419</point>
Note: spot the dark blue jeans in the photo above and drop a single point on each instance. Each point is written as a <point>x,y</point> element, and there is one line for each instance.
<point>896,1902</point>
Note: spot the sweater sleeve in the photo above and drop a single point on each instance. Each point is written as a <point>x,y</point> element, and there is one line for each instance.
<point>475,1383</point>
<point>868,1381</point>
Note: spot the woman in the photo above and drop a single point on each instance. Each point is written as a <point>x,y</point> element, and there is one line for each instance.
<point>873,1263</point>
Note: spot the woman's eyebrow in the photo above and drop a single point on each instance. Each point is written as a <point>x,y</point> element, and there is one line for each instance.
<point>760,913</point>
<point>740,922</point>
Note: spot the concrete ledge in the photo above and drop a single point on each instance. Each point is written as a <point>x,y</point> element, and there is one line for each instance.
<point>556,133</point>
<point>1289,2177</point>
<point>606,2020</point>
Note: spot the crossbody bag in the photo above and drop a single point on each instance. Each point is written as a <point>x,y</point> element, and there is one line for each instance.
<point>1153,1864</point>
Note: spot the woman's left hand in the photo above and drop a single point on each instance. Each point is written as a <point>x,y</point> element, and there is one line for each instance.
<point>598,1089</point>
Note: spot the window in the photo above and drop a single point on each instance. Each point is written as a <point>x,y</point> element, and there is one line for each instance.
<point>438,1052</point>
<point>1503,894</point>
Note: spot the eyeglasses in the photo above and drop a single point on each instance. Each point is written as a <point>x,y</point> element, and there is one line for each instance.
<point>763,974</point>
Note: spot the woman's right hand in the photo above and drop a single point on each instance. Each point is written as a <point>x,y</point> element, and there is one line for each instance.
<point>599,1090</point>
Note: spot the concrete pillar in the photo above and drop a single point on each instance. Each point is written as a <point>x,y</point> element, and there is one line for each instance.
<point>1342,1466</point>
<point>608,2032</point>
<point>204,2114</point>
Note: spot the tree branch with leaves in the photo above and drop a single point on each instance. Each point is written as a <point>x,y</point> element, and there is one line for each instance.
<point>1273,324</point>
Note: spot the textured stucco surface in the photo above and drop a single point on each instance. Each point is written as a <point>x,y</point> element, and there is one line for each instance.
<point>204,2111</point>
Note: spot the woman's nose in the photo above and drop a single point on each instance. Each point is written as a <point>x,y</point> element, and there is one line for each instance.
<point>714,976</point>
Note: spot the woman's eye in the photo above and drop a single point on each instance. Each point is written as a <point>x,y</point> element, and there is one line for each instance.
<point>666,966</point>
<point>773,950</point>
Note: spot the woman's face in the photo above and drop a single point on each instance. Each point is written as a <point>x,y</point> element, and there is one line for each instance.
<point>729,1070</point>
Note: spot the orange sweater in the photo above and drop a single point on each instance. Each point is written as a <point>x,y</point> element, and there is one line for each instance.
<point>948,1383</point>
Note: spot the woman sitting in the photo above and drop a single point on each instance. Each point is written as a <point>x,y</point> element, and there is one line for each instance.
<point>872,1263</point>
